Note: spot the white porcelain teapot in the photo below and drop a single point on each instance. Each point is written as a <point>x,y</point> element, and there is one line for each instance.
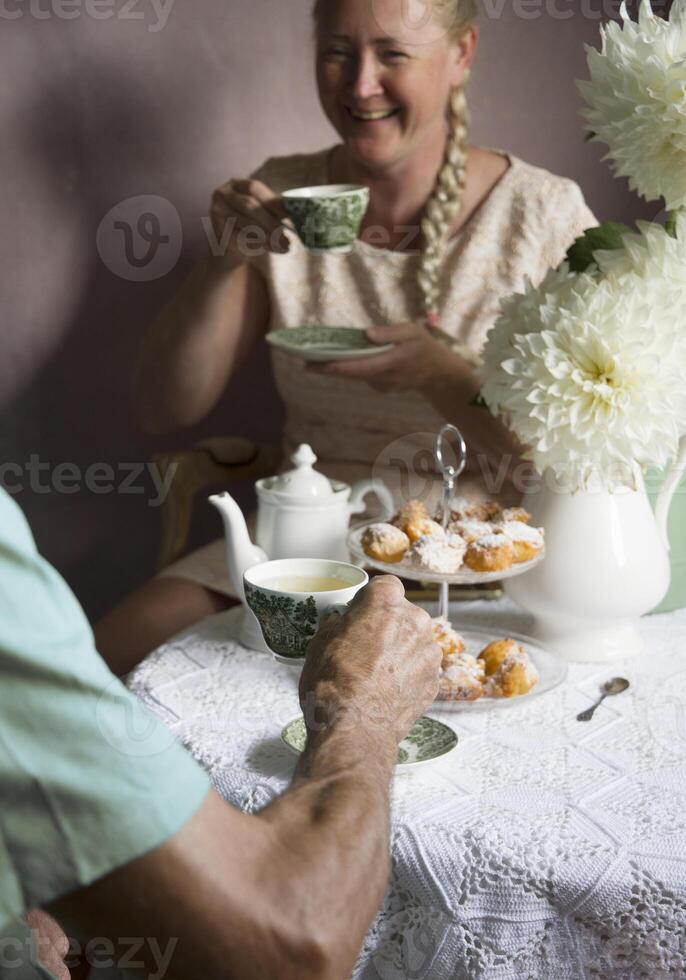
<point>300,514</point>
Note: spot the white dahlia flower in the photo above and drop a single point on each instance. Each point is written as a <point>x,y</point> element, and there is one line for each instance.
<point>588,370</point>
<point>637,101</point>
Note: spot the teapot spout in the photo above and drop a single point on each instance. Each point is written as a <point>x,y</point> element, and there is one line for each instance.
<point>666,496</point>
<point>241,553</point>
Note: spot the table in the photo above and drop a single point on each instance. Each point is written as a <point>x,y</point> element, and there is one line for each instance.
<point>541,848</point>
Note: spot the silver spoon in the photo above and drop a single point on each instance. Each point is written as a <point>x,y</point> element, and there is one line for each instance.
<point>614,686</point>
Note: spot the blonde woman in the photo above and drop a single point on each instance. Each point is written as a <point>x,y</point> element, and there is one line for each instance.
<point>451,228</point>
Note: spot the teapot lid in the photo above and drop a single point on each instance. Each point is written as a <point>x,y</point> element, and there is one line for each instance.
<point>303,481</point>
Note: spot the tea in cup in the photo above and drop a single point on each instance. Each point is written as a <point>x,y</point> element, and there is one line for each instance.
<point>327,218</point>
<point>290,597</point>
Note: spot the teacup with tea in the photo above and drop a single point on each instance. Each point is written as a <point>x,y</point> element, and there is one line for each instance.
<point>290,597</point>
<point>327,218</point>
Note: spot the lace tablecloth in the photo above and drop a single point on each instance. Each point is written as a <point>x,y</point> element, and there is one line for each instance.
<point>542,847</point>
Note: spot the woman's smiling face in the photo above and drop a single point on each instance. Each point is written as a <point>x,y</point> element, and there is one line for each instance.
<point>385,69</point>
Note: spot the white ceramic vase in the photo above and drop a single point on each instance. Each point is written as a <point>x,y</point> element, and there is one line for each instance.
<point>606,565</point>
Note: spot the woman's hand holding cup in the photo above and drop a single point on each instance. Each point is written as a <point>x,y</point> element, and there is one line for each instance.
<point>247,216</point>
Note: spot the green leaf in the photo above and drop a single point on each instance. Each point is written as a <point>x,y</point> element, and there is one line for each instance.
<point>590,135</point>
<point>607,236</point>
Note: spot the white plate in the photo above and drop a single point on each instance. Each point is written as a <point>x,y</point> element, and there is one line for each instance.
<point>405,570</point>
<point>326,343</point>
<point>551,668</point>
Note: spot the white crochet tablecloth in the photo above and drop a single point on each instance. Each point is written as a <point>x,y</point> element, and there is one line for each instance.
<point>541,848</point>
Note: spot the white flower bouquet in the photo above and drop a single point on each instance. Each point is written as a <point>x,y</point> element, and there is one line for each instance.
<point>637,101</point>
<point>589,368</point>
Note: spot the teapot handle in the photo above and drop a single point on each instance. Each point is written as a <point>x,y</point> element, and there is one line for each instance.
<point>664,500</point>
<point>360,491</point>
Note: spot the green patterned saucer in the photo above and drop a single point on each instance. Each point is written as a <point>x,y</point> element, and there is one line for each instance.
<point>427,741</point>
<point>326,343</point>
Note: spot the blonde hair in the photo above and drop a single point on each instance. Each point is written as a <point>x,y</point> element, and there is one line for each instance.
<point>456,16</point>
<point>446,197</point>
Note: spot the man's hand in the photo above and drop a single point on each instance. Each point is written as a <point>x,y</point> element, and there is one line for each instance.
<point>51,943</point>
<point>374,670</point>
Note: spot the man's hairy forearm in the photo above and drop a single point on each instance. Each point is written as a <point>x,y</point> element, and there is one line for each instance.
<point>333,830</point>
<point>289,893</point>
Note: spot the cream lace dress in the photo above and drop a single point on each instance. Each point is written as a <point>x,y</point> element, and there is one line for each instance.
<point>523,228</point>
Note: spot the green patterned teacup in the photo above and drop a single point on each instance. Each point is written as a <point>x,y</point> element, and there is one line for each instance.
<point>327,218</point>
<point>290,596</point>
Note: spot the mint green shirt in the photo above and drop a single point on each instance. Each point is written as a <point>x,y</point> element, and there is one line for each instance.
<point>89,778</point>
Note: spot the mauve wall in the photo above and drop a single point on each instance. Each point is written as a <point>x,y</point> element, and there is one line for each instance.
<point>101,102</point>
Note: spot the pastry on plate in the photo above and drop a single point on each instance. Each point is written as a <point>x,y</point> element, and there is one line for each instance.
<point>470,530</point>
<point>494,654</point>
<point>528,541</point>
<point>465,509</point>
<point>410,513</point>
<point>463,679</point>
<point>442,555</point>
<point>385,543</point>
<point>493,552</point>
<point>508,669</point>
<point>449,640</point>
<point>423,527</point>
<point>514,514</point>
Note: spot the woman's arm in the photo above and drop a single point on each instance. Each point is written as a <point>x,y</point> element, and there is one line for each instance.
<point>196,344</point>
<point>199,340</point>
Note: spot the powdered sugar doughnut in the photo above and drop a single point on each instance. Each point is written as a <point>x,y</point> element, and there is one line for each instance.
<point>514,514</point>
<point>514,676</point>
<point>448,639</point>
<point>491,553</point>
<point>410,513</point>
<point>497,652</point>
<point>470,530</point>
<point>463,680</point>
<point>384,542</point>
<point>423,527</point>
<point>464,509</point>
<point>528,541</point>
<point>435,554</point>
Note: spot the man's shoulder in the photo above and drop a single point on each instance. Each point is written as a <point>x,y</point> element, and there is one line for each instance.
<point>15,534</point>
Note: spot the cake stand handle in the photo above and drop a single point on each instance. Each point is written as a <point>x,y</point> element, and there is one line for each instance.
<point>450,473</point>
